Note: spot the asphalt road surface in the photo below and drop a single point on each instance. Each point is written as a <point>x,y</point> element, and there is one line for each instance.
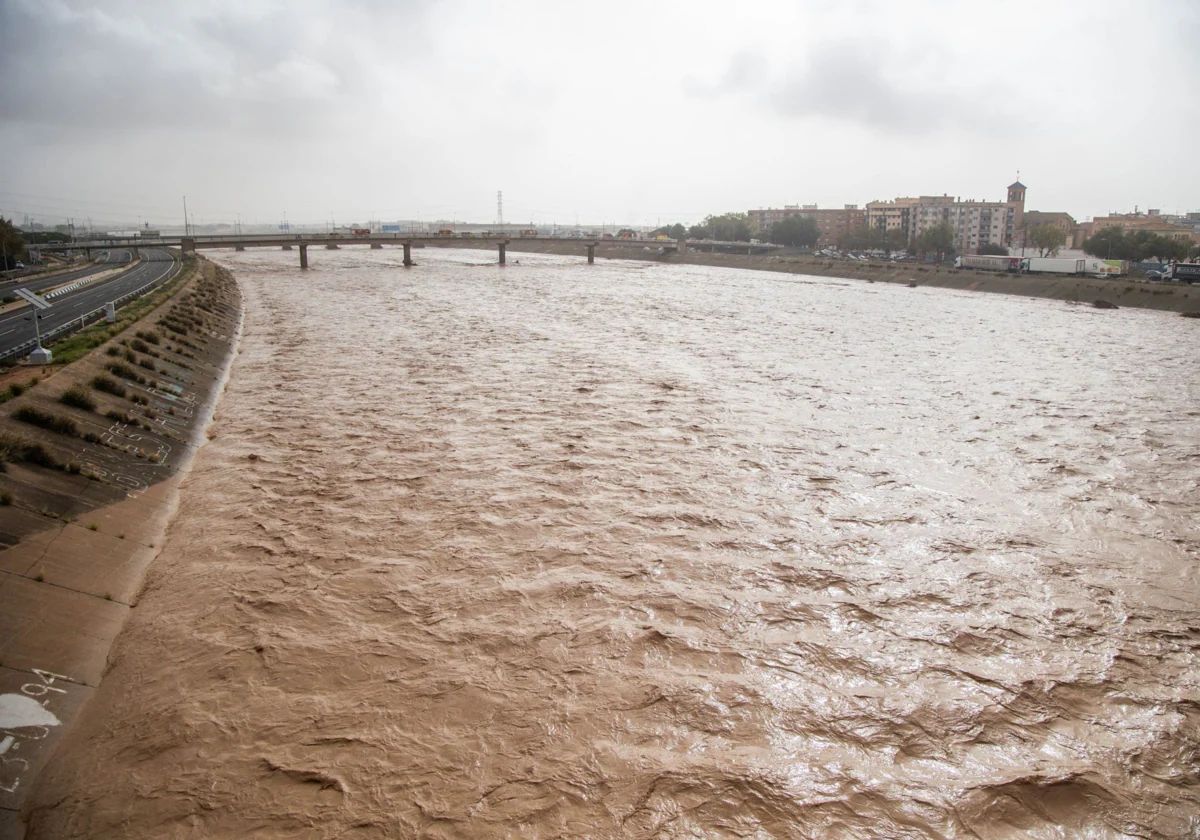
<point>36,283</point>
<point>17,328</point>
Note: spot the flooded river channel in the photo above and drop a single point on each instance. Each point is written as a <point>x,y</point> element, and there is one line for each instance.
<point>633,550</point>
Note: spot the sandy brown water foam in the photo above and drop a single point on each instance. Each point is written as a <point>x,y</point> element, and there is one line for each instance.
<point>647,551</point>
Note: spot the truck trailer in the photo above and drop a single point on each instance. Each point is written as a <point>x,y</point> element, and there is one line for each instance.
<point>1054,265</point>
<point>989,263</point>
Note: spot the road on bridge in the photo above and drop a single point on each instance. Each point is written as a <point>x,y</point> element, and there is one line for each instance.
<point>16,327</point>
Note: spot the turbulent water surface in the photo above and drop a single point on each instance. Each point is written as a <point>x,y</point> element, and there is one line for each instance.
<point>635,550</point>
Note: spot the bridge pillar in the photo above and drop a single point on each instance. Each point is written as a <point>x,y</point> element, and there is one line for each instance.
<point>682,249</point>
<point>502,246</point>
<point>304,256</point>
<point>332,246</point>
<point>376,246</point>
<point>408,255</point>
<point>592,254</point>
<point>135,253</point>
<point>287,247</point>
<point>239,247</point>
<point>187,245</point>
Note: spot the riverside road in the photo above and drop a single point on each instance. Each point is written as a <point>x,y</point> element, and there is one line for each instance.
<point>16,327</point>
<point>36,283</point>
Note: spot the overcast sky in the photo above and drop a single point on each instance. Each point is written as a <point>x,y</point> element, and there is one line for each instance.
<point>634,112</point>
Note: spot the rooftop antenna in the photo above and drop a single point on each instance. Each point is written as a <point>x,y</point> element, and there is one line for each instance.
<point>500,208</point>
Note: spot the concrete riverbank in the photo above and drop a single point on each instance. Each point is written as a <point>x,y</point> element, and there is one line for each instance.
<point>92,458</point>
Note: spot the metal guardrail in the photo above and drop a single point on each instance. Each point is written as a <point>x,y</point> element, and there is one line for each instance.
<point>88,317</point>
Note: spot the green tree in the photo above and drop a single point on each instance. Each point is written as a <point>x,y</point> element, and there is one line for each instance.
<point>795,232</point>
<point>675,231</point>
<point>895,240</point>
<point>1110,244</point>
<point>12,244</point>
<point>728,227</point>
<point>1047,239</point>
<point>1114,243</point>
<point>859,238</point>
<point>993,249</point>
<point>938,239</point>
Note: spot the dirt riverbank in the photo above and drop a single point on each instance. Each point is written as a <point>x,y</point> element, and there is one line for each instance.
<point>1123,291</point>
<point>92,455</point>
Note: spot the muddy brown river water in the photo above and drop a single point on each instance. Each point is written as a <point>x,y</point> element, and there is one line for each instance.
<point>643,551</point>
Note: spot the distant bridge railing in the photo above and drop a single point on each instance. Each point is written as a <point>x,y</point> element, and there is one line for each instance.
<point>345,238</point>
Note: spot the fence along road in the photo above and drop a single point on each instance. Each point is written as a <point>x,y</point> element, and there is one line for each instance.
<point>85,305</point>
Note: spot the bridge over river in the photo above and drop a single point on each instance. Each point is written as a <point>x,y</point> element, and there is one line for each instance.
<point>302,242</point>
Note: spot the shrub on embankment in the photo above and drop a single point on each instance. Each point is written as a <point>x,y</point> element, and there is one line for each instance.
<point>126,372</point>
<point>15,450</point>
<point>108,385</point>
<point>76,397</point>
<point>45,420</point>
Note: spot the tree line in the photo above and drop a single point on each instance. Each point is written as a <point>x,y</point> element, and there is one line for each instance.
<point>12,244</point>
<point>1138,246</point>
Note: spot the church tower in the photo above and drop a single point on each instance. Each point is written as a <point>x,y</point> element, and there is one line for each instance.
<point>1016,197</point>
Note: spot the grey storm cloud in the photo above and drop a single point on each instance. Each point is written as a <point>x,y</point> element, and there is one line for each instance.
<point>842,82</point>
<point>637,111</point>
<point>106,70</point>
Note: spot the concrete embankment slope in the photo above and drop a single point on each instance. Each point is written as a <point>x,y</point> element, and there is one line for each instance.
<point>1123,291</point>
<point>92,456</point>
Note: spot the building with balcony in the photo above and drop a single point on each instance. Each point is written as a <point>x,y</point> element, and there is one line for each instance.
<point>975,223</point>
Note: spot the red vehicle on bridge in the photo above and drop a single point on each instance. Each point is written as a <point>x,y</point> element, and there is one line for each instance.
<point>361,231</point>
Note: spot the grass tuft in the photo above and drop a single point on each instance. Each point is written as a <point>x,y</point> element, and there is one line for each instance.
<point>76,397</point>
<point>50,422</point>
<point>108,385</point>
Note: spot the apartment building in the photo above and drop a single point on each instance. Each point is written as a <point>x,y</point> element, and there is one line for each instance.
<point>975,223</point>
<point>831,222</point>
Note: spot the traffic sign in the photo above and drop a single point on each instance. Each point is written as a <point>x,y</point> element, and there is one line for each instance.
<point>31,298</point>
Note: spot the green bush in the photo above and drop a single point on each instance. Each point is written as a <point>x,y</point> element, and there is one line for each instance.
<point>126,372</point>
<point>15,449</point>
<point>76,397</point>
<point>51,422</point>
<point>108,385</point>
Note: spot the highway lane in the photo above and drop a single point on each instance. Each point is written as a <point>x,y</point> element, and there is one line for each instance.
<point>34,283</point>
<point>16,328</point>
